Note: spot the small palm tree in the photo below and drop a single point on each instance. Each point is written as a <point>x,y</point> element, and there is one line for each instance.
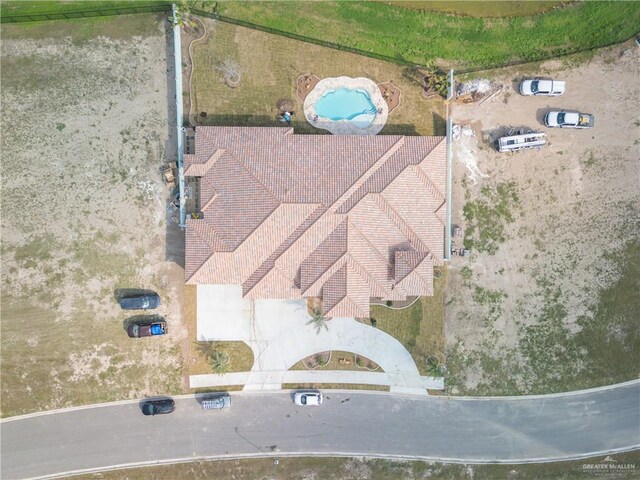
<point>219,361</point>
<point>434,367</point>
<point>318,320</point>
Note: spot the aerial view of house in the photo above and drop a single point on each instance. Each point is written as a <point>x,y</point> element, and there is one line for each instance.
<point>329,239</point>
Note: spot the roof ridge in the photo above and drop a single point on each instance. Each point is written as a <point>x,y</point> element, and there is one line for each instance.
<point>205,233</point>
<point>426,285</point>
<point>426,181</point>
<point>343,251</point>
<point>399,222</point>
<point>353,307</point>
<point>364,274</point>
<point>366,175</point>
<point>340,294</point>
<point>269,263</point>
<point>202,168</point>
<point>328,273</point>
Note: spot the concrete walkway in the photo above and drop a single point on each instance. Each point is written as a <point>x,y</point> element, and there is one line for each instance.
<point>279,333</point>
<point>274,380</point>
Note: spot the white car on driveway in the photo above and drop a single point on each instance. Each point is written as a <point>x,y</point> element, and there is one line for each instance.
<point>548,88</point>
<point>308,398</point>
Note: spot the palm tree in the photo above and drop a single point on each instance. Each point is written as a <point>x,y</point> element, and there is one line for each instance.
<point>434,367</point>
<point>318,320</point>
<point>219,361</point>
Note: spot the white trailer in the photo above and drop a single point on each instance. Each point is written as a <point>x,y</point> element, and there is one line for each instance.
<point>513,143</point>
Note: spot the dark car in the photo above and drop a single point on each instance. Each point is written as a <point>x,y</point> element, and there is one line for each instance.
<point>147,329</point>
<point>142,301</point>
<point>158,407</point>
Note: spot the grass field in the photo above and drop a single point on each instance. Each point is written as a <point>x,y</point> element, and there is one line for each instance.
<point>270,65</point>
<point>35,7</point>
<point>373,469</point>
<point>83,211</point>
<point>459,42</point>
<point>484,8</point>
<point>418,327</point>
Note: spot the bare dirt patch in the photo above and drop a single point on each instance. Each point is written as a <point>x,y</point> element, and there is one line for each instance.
<point>85,130</point>
<point>556,224</point>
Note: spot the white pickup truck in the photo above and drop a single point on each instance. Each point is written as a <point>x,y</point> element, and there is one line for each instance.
<point>549,88</point>
<point>564,119</point>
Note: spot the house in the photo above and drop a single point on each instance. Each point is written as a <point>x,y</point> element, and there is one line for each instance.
<point>344,218</point>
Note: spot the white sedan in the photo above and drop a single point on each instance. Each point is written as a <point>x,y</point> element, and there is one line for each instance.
<point>311,398</point>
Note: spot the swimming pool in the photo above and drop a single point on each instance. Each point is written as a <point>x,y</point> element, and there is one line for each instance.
<point>346,106</point>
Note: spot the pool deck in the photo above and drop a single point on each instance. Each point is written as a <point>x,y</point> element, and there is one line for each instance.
<point>346,127</point>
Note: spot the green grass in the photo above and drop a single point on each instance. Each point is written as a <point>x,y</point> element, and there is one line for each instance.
<point>81,30</point>
<point>37,7</point>
<point>420,327</point>
<point>239,353</point>
<point>484,8</point>
<point>372,469</point>
<point>459,42</point>
<point>488,216</point>
<point>270,65</point>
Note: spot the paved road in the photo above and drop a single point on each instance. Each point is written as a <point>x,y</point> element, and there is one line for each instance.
<point>375,424</point>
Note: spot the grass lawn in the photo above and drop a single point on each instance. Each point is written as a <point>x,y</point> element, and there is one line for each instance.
<point>420,327</point>
<point>370,469</point>
<point>459,42</point>
<point>35,7</point>
<point>484,8</point>
<point>73,161</point>
<point>270,65</point>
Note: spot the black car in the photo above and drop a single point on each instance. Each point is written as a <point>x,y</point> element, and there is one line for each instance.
<point>142,301</point>
<point>158,407</point>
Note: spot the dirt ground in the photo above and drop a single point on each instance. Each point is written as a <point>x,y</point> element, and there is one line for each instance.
<point>572,206</point>
<point>85,129</point>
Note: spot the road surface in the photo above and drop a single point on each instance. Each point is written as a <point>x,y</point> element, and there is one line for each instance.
<point>469,430</point>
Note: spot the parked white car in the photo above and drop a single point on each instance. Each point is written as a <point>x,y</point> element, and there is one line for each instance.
<point>310,398</point>
<point>549,88</point>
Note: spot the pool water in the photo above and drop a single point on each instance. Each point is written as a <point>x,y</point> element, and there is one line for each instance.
<point>346,104</point>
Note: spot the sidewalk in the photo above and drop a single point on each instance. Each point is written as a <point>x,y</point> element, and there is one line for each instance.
<point>273,380</point>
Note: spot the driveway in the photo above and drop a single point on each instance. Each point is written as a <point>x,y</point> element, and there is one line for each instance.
<point>280,335</point>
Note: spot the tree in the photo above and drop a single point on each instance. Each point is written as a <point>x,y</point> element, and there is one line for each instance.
<point>318,320</point>
<point>219,361</point>
<point>182,15</point>
<point>434,367</point>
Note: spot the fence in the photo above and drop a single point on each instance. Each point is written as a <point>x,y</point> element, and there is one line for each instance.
<point>102,12</point>
<point>166,7</point>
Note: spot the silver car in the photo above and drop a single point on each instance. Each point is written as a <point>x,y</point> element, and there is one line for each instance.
<point>217,402</point>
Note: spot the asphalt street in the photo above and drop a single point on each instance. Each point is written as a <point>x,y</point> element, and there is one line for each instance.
<point>475,430</point>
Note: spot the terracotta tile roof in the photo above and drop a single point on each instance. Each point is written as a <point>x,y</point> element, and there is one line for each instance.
<point>343,217</point>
